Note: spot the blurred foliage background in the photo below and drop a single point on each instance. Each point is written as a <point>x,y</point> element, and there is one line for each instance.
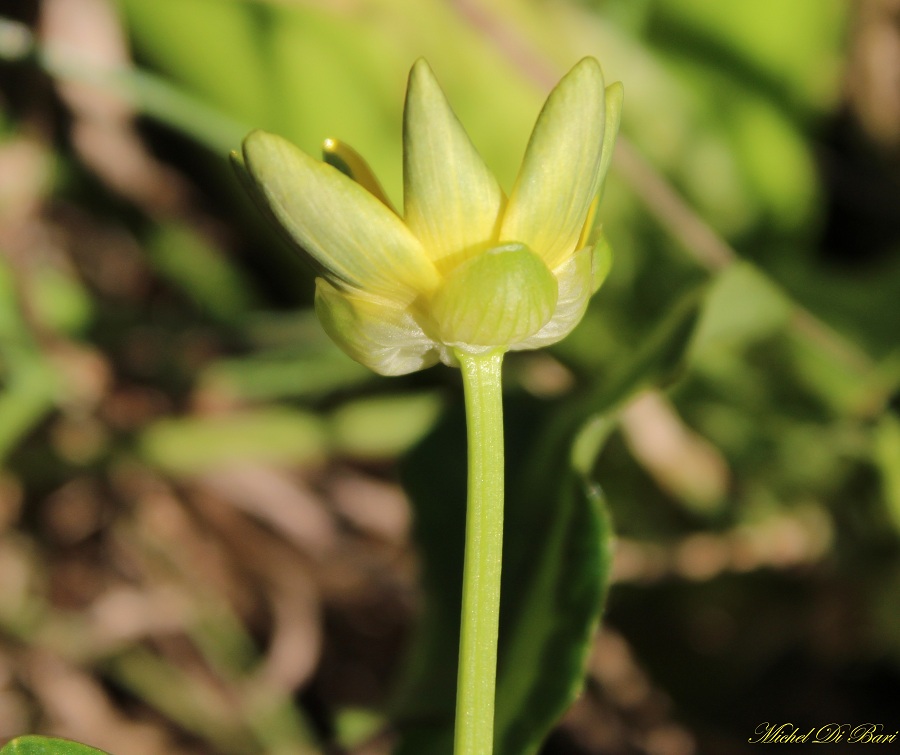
<point>204,547</point>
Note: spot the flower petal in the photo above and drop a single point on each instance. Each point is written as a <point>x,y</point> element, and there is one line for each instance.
<point>452,201</point>
<point>349,162</point>
<point>560,171</point>
<point>350,233</point>
<point>615,93</point>
<point>575,281</point>
<point>378,334</point>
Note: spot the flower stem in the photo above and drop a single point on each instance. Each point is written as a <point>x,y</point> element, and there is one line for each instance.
<point>474,733</point>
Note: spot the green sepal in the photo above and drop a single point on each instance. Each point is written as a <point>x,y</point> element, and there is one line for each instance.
<point>498,298</point>
<point>601,262</point>
<point>384,338</point>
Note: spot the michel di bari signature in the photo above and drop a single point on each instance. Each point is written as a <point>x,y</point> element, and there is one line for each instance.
<point>788,733</point>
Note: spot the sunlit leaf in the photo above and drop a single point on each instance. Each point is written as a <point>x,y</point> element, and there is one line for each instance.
<point>36,745</point>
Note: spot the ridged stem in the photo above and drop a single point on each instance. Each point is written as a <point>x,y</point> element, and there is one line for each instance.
<point>474,734</point>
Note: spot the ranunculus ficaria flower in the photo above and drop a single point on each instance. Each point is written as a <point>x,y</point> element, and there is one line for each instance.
<point>464,269</point>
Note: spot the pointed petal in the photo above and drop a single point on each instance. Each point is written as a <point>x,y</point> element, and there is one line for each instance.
<point>590,232</point>
<point>575,288</point>
<point>589,223</point>
<point>559,174</point>
<point>452,201</point>
<point>615,93</point>
<point>380,335</point>
<point>349,162</point>
<point>352,235</point>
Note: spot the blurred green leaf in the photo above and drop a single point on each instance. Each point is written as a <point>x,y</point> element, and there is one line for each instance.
<point>37,745</point>
<point>657,362</point>
<point>887,455</point>
<point>383,427</point>
<point>310,73</point>
<point>285,373</point>
<point>775,158</point>
<point>183,697</point>
<point>28,385</point>
<point>193,445</point>
<point>28,394</point>
<point>792,46</point>
<point>743,306</point>
<point>61,302</point>
<point>354,726</point>
<point>842,384</point>
<point>229,71</point>
<point>201,271</point>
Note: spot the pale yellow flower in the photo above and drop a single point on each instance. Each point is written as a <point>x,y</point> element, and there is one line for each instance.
<point>464,269</point>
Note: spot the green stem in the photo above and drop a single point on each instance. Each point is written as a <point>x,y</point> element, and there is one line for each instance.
<point>484,549</point>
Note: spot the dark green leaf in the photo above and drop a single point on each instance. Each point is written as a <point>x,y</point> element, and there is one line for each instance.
<point>658,362</point>
<point>565,569</point>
